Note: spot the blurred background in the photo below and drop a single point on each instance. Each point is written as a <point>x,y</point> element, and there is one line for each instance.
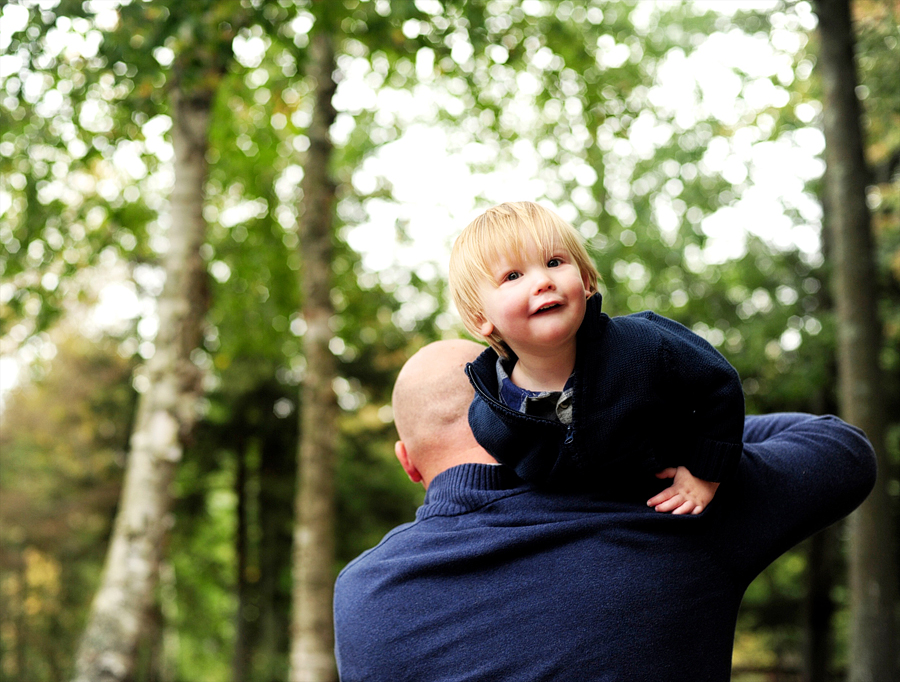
<point>225,225</point>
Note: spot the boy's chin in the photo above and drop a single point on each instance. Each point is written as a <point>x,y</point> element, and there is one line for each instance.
<point>547,345</point>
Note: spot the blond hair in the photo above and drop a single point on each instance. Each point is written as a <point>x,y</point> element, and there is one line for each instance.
<point>508,227</point>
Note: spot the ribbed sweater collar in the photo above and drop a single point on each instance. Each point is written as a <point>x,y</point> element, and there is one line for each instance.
<point>467,487</point>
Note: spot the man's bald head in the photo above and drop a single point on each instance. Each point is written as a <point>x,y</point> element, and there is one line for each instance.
<point>431,405</point>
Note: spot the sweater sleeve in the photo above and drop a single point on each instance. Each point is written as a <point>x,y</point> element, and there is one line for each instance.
<point>799,474</point>
<point>704,386</point>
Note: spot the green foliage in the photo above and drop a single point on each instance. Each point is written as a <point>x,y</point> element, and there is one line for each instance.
<point>63,440</point>
<point>67,205</point>
<point>200,596</point>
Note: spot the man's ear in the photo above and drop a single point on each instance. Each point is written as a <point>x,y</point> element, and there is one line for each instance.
<point>403,457</point>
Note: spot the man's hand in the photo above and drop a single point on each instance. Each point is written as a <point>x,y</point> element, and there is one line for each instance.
<point>687,494</point>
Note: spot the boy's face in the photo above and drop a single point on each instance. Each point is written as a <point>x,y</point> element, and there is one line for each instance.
<point>535,302</point>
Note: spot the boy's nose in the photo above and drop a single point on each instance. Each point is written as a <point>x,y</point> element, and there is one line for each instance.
<point>543,283</point>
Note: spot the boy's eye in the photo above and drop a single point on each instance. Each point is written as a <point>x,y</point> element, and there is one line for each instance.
<point>511,276</point>
<point>554,263</point>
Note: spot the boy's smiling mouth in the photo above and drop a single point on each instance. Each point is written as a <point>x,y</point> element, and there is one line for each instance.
<point>546,308</point>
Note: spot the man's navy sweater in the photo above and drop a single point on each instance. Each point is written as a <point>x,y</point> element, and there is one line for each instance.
<point>648,393</point>
<point>496,580</point>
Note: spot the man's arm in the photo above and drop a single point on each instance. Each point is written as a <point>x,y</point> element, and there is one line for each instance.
<point>759,428</point>
<point>799,474</point>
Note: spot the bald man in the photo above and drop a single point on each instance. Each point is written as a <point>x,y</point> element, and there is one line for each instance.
<point>431,402</point>
<point>498,580</point>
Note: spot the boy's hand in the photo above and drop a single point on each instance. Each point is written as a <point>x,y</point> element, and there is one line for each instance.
<point>687,494</point>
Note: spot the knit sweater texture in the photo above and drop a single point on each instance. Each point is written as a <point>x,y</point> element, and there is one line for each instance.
<point>498,580</point>
<point>648,394</point>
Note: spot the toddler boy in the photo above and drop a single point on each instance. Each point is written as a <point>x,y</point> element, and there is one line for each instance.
<point>571,398</point>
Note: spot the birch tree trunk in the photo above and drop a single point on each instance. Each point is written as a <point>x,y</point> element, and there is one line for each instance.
<point>873,557</point>
<point>312,636</point>
<point>166,415</point>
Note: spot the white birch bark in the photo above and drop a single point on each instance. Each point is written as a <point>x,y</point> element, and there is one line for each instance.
<point>167,412</point>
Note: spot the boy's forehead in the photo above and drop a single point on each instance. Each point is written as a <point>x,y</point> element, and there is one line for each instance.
<point>520,246</point>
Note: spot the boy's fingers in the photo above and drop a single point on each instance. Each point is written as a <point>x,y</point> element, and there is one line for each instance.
<point>666,473</point>
<point>670,504</point>
<point>660,498</point>
<point>685,508</point>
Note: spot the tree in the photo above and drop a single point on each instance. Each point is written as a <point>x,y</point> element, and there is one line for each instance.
<point>312,658</point>
<point>873,558</point>
<point>312,636</point>
<point>168,410</point>
<point>167,413</point>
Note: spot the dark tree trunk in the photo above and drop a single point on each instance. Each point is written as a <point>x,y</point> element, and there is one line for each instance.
<point>873,562</point>
<point>239,659</point>
<point>277,473</point>
<point>312,646</point>
<point>21,649</point>
<point>820,569</point>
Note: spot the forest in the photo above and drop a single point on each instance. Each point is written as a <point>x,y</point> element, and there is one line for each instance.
<point>225,225</point>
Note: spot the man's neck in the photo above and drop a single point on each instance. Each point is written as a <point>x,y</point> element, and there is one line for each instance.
<point>454,456</point>
<point>536,372</point>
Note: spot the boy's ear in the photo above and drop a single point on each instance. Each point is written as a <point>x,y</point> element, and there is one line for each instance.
<point>486,328</point>
<point>587,286</point>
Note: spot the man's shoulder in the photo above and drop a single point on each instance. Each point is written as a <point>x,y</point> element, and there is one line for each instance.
<point>375,554</point>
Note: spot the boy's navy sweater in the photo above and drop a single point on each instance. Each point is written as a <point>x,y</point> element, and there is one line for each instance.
<point>497,580</point>
<point>648,393</point>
